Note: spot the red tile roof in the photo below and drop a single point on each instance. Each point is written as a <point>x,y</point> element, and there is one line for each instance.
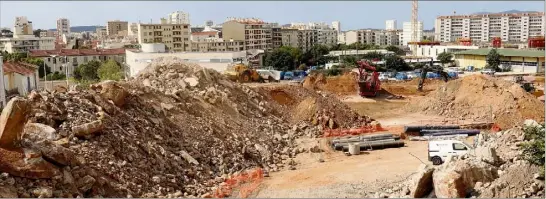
<point>19,67</point>
<point>77,52</point>
<point>205,33</point>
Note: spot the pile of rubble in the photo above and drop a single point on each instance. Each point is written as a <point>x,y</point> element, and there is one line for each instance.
<point>482,98</point>
<point>492,170</point>
<point>176,130</point>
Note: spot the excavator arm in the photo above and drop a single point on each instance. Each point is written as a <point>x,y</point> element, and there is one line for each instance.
<point>431,68</point>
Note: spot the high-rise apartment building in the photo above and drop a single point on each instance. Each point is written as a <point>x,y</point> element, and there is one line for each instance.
<point>179,17</point>
<point>407,32</point>
<point>176,37</point>
<point>390,25</point>
<point>510,27</point>
<point>336,25</point>
<point>304,36</point>
<point>255,33</point>
<point>63,27</point>
<point>22,26</point>
<point>373,37</point>
<point>117,27</point>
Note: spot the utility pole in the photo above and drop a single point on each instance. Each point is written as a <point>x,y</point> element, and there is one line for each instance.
<point>66,69</point>
<point>54,66</point>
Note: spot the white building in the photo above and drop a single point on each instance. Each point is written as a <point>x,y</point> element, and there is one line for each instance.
<point>390,25</point>
<point>373,37</point>
<point>140,59</point>
<point>407,32</point>
<point>25,43</point>
<point>337,26</point>
<point>22,26</point>
<point>60,60</point>
<point>514,27</point>
<point>179,17</point>
<point>132,29</point>
<point>341,38</point>
<point>434,50</point>
<point>63,26</point>
<point>19,78</point>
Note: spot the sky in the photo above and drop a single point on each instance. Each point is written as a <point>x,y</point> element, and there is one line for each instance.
<point>351,14</point>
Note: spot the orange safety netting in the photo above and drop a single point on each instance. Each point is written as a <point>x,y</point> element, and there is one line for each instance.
<point>253,177</point>
<point>357,131</point>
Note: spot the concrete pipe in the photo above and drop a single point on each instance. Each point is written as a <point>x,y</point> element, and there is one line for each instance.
<point>408,129</point>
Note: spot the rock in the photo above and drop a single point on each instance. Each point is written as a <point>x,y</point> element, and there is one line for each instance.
<point>8,191</point>
<point>86,183</point>
<point>58,154</point>
<point>188,157</point>
<point>36,132</point>
<point>487,154</point>
<point>43,192</point>
<point>537,176</point>
<point>12,122</point>
<point>453,180</point>
<point>68,179</point>
<point>421,183</point>
<point>530,123</point>
<point>192,81</point>
<point>112,91</point>
<point>88,128</point>
<point>26,163</point>
<point>167,106</point>
<point>62,142</point>
<point>207,195</point>
<point>60,89</point>
<point>146,82</point>
<point>181,84</point>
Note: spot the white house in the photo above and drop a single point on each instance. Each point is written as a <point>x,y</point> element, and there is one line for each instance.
<point>19,78</point>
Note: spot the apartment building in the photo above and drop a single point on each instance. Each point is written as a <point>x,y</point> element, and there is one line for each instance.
<point>22,26</point>
<point>101,32</point>
<point>217,45</point>
<point>390,25</point>
<point>510,27</point>
<point>63,26</point>
<point>132,29</point>
<point>254,32</point>
<point>176,37</point>
<point>60,60</point>
<point>311,34</point>
<point>178,17</point>
<point>407,32</point>
<point>373,37</point>
<point>117,27</point>
<point>277,37</point>
<point>298,38</point>
<point>48,33</point>
<point>336,25</point>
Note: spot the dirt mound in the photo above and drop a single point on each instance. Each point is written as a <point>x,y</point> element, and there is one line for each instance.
<point>410,87</point>
<point>342,85</point>
<point>314,106</point>
<point>176,130</point>
<point>281,97</point>
<point>482,98</point>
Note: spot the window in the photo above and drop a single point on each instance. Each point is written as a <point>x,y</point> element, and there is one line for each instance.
<point>74,60</point>
<point>48,59</point>
<point>459,146</point>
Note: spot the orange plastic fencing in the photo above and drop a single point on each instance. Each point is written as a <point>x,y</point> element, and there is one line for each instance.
<point>254,177</point>
<point>357,131</point>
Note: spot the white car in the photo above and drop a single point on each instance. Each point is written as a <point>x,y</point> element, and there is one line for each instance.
<point>383,77</point>
<point>411,75</point>
<point>439,150</point>
<point>488,71</point>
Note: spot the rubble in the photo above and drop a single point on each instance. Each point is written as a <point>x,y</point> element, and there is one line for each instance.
<point>12,122</point>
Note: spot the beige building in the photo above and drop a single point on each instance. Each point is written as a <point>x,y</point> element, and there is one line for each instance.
<point>217,46</point>
<point>277,37</point>
<point>255,33</point>
<point>303,39</point>
<point>373,37</point>
<point>101,32</point>
<point>67,59</point>
<point>515,27</point>
<point>63,26</point>
<point>115,27</point>
<point>47,33</point>
<point>22,26</point>
<point>176,37</point>
<point>132,29</point>
<point>205,35</point>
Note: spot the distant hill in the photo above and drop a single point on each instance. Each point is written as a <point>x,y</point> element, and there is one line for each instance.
<point>82,28</point>
<point>504,12</point>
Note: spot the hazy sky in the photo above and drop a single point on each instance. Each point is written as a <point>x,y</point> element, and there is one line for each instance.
<point>351,14</point>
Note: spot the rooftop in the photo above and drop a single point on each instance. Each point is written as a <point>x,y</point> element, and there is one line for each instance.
<point>494,15</point>
<point>205,33</point>
<point>504,52</point>
<point>76,52</point>
<point>18,67</point>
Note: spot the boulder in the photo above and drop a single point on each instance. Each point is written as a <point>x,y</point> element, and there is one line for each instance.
<point>86,183</point>
<point>58,154</point>
<point>43,192</point>
<point>456,179</point>
<point>112,91</point>
<point>60,89</point>
<point>26,163</point>
<point>12,122</point>
<point>192,81</point>
<point>530,123</point>
<point>38,133</point>
<point>487,154</point>
<point>420,184</point>
<point>8,191</point>
<point>88,128</point>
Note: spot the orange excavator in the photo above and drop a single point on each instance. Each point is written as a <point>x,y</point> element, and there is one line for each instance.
<point>368,81</point>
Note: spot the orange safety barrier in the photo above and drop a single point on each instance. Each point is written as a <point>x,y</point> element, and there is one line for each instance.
<point>253,177</point>
<point>495,128</point>
<point>357,131</point>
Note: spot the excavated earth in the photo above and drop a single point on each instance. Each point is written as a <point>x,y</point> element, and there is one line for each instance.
<point>176,130</point>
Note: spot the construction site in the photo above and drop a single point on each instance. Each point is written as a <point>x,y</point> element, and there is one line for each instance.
<point>180,130</point>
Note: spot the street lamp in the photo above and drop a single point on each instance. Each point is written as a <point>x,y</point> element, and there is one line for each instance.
<point>54,64</point>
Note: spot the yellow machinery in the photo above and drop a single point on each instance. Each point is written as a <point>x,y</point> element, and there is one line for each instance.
<point>241,73</point>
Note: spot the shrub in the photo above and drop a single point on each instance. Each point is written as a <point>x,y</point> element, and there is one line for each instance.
<point>533,149</point>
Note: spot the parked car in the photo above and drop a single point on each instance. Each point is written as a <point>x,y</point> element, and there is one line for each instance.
<point>439,150</point>
<point>401,76</point>
<point>383,77</point>
<point>411,75</point>
<point>488,71</point>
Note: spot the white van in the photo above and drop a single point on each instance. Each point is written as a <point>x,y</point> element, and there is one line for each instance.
<point>439,150</point>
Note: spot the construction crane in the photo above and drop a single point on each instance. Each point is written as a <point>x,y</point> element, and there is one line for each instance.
<point>414,27</point>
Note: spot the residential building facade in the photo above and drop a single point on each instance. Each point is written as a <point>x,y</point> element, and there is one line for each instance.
<point>132,29</point>
<point>19,78</point>
<point>179,17</point>
<point>217,45</point>
<point>373,37</point>
<point>117,27</point>
<point>101,32</point>
<point>254,32</point>
<point>48,33</point>
<point>22,26</point>
<point>510,27</point>
<point>407,32</point>
<point>297,38</point>
<point>176,37</point>
<point>60,60</point>
<point>390,25</point>
<point>336,25</point>
<point>63,26</point>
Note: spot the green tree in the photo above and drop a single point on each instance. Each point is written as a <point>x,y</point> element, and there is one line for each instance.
<point>445,58</point>
<point>88,71</point>
<point>493,60</point>
<point>17,56</point>
<point>56,76</point>
<point>396,63</point>
<point>373,55</point>
<point>349,60</point>
<point>315,55</point>
<point>40,63</point>
<point>302,67</point>
<point>110,70</point>
<point>533,148</point>
<point>396,50</point>
<point>280,60</point>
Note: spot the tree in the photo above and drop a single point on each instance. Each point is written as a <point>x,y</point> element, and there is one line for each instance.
<point>349,60</point>
<point>110,70</point>
<point>493,60</point>
<point>533,148</point>
<point>14,56</point>
<point>40,63</point>
<point>88,71</point>
<point>37,32</point>
<point>373,55</point>
<point>302,67</point>
<point>396,50</point>
<point>396,63</point>
<point>445,58</point>
<point>280,60</point>
<point>315,55</point>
